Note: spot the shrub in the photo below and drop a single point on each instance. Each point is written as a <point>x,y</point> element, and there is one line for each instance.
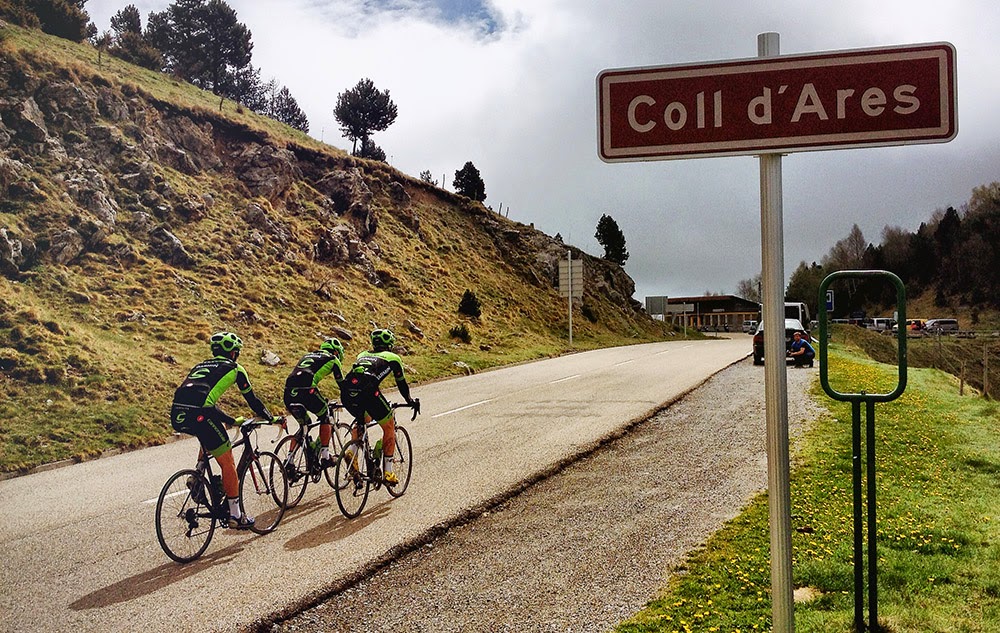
<point>461,332</point>
<point>469,305</point>
<point>589,313</point>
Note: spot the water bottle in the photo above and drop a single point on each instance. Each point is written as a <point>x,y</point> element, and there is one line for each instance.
<point>378,452</point>
<point>217,486</point>
<point>314,447</point>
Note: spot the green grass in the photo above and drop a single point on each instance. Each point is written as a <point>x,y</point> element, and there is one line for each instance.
<point>938,469</point>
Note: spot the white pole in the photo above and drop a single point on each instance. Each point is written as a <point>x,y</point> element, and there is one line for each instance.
<point>569,261</point>
<point>775,378</point>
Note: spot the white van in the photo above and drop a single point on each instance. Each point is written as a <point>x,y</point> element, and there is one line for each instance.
<point>882,324</point>
<point>749,327</point>
<point>798,311</point>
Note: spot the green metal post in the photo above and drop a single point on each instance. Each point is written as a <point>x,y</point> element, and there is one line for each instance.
<point>869,399</point>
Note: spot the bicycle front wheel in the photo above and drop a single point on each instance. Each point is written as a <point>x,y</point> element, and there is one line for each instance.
<point>264,492</point>
<point>353,480</point>
<point>341,436</point>
<point>402,462</point>
<point>184,519</point>
<point>296,470</point>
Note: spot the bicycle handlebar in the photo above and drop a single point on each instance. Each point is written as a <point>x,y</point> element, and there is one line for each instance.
<point>415,405</point>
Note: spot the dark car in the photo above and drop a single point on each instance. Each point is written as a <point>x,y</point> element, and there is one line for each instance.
<point>791,327</point>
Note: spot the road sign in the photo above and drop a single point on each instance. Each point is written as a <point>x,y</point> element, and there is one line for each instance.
<point>576,282</point>
<point>678,308</point>
<point>854,98</point>
<point>829,301</point>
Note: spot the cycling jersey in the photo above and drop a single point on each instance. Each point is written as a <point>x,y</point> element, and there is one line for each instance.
<point>194,410</point>
<point>314,367</point>
<point>301,386</point>
<point>360,390</point>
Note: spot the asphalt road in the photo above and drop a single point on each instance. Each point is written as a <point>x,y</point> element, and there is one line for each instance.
<point>77,546</point>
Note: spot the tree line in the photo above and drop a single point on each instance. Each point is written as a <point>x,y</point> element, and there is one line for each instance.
<point>955,255</point>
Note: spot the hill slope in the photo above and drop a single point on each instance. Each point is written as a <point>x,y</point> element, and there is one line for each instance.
<point>137,216</point>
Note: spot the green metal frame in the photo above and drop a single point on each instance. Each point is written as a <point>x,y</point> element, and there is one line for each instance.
<point>869,400</point>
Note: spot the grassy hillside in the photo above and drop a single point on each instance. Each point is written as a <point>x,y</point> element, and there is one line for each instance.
<point>138,218</point>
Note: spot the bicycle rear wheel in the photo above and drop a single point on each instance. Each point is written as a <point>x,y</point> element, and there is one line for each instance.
<point>184,519</point>
<point>341,436</point>
<point>402,462</point>
<point>297,473</point>
<point>264,492</point>
<point>352,481</point>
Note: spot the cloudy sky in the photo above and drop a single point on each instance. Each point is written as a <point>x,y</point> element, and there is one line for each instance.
<point>511,86</point>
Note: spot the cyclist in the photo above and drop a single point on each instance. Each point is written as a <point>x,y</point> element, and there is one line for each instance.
<point>361,395</point>
<point>194,412</point>
<point>301,388</point>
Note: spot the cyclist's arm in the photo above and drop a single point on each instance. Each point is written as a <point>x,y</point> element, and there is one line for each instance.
<point>397,373</point>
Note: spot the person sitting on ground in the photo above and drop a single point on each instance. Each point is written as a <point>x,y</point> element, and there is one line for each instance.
<point>194,412</point>
<point>302,388</point>
<point>361,395</point>
<point>801,351</point>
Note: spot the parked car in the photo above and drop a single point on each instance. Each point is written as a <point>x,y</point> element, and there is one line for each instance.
<point>791,327</point>
<point>941,326</point>
<point>749,327</point>
<point>912,325</point>
<point>882,324</point>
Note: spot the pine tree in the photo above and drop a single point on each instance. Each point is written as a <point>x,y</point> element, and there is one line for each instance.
<point>362,110</point>
<point>469,183</point>
<point>469,305</point>
<point>612,239</point>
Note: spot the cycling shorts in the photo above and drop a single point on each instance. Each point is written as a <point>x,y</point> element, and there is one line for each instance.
<point>205,423</point>
<point>360,399</point>
<point>308,397</point>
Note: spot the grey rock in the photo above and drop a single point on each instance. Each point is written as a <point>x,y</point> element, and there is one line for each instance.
<point>65,246</point>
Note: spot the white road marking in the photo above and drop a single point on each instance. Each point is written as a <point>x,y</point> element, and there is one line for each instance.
<point>468,406</point>
<point>564,379</point>
<point>624,362</point>
<point>172,494</point>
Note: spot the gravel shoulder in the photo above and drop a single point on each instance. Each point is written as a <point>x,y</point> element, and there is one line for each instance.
<point>589,546</point>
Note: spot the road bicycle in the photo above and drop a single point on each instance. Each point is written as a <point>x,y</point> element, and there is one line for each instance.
<point>192,502</point>
<point>359,468</point>
<point>299,452</point>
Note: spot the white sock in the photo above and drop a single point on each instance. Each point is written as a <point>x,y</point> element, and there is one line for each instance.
<point>324,452</point>
<point>234,508</point>
<point>386,464</point>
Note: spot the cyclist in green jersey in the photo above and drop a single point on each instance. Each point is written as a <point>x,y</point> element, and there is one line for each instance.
<point>302,388</point>
<point>362,397</point>
<point>194,411</point>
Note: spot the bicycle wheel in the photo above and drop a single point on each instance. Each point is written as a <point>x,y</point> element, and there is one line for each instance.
<point>341,436</point>
<point>352,480</point>
<point>184,520</point>
<point>297,472</point>
<point>264,492</point>
<point>402,462</point>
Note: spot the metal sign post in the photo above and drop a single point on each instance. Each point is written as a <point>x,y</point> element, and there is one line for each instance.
<point>571,284</point>
<point>775,378</point>
<point>869,400</point>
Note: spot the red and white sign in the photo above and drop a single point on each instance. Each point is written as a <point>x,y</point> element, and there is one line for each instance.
<point>856,98</point>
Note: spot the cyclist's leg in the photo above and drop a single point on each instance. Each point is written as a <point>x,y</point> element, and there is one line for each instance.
<point>378,408</point>
<point>294,404</point>
<point>223,454</point>
<point>314,401</point>
<point>207,425</point>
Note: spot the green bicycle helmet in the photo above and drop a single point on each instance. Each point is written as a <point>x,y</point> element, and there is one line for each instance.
<point>382,340</point>
<point>225,344</point>
<point>334,346</point>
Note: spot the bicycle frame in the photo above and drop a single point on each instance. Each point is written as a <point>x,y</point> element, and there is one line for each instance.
<point>250,450</point>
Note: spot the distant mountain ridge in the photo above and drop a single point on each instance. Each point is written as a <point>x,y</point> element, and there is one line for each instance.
<point>133,225</point>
